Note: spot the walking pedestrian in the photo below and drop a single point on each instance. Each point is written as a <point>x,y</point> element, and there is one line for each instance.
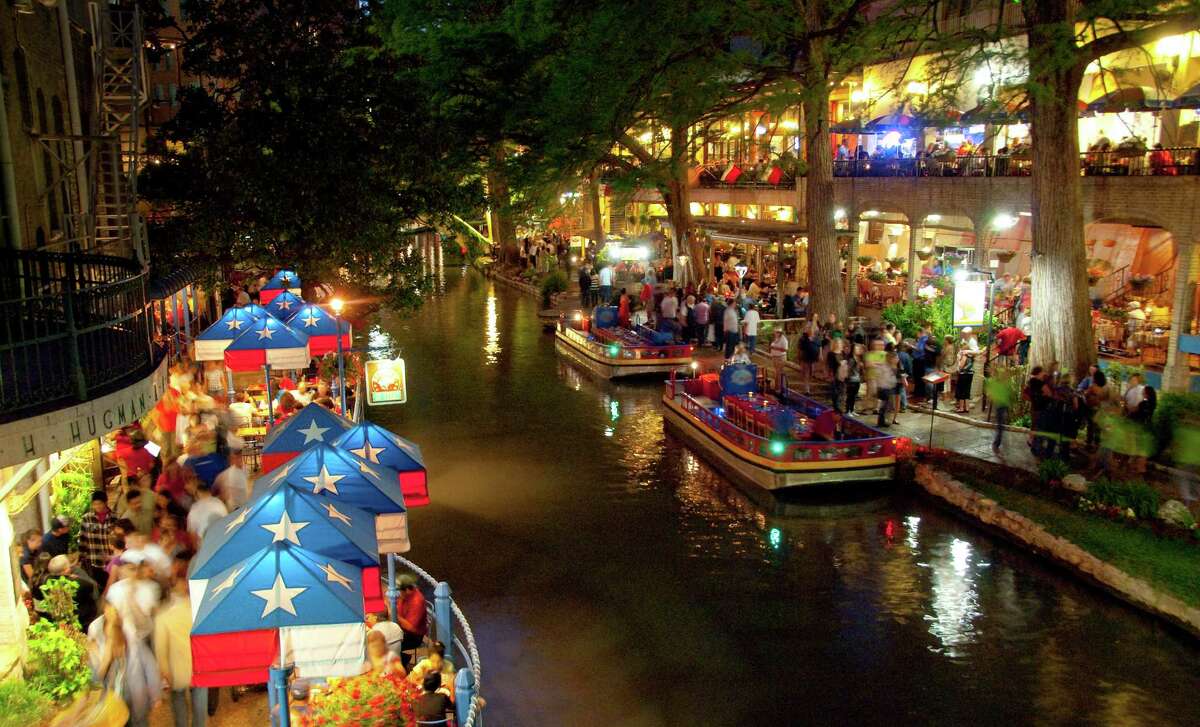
<point>731,328</point>
<point>779,352</point>
<point>1000,394</point>
<point>173,649</point>
<point>750,323</point>
<point>606,284</point>
<point>585,287</point>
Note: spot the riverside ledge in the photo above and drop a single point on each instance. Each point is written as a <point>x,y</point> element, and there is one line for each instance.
<point>1034,537</point>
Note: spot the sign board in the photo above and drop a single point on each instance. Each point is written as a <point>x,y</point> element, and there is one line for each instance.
<point>970,303</point>
<point>386,383</point>
<point>935,377</point>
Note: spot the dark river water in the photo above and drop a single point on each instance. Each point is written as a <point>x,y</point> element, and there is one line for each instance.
<point>613,578</point>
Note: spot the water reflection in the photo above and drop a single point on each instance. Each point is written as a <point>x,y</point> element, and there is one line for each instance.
<point>955,603</point>
<point>491,340</point>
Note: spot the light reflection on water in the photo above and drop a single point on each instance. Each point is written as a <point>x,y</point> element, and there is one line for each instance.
<point>614,578</point>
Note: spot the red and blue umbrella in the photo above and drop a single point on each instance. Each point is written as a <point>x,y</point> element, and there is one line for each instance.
<point>257,310</point>
<point>281,596</point>
<point>377,445</point>
<point>340,476</point>
<point>268,342</point>
<point>211,344</point>
<point>321,327</point>
<point>285,514</point>
<point>283,305</point>
<point>279,282</point>
<point>314,424</point>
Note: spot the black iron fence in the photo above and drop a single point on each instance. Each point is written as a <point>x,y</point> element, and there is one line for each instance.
<point>72,326</point>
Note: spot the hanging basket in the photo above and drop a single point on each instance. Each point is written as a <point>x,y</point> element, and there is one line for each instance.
<point>924,254</point>
<point>865,260</point>
<point>896,263</point>
<point>1005,256</point>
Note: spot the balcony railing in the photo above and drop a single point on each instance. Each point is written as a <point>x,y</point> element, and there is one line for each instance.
<point>72,327</point>
<point>1177,161</point>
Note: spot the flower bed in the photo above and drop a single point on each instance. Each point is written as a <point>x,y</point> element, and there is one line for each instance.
<point>370,700</point>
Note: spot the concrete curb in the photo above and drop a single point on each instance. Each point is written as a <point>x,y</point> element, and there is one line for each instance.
<point>1034,537</point>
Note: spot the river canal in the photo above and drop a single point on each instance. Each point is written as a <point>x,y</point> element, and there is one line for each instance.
<point>613,578</point>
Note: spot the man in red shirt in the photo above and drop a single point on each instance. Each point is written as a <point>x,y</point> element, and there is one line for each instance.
<point>136,460</point>
<point>412,616</point>
<point>1007,340</point>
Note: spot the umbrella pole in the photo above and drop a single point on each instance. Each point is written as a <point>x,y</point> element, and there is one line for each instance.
<point>270,407</point>
<point>391,589</point>
<point>279,679</point>
<point>229,380</point>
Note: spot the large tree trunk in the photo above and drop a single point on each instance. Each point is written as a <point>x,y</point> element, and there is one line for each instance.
<point>597,232</point>
<point>680,209</point>
<point>500,199</point>
<point>1062,329</point>
<point>824,260</point>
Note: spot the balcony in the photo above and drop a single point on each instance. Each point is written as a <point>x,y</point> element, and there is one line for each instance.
<point>74,327</point>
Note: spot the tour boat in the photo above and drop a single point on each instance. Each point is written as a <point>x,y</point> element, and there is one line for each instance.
<point>612,351</point>
<point>768,441</point>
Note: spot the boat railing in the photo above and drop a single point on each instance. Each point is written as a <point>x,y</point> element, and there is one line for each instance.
<point>452,629</point>
<point>625,349</point>
<point>780,450</point>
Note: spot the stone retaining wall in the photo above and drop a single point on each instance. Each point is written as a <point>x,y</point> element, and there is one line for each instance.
<point>1034,537</point>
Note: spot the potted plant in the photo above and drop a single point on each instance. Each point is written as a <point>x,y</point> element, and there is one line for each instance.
<point>877,277</point>
<point>896,263</point>
<point>1005,256</point>
<point>865,260</point>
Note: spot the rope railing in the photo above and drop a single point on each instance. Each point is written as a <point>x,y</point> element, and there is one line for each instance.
<point>465,645</point>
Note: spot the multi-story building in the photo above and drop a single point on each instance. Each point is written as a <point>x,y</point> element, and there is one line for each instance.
<point>911,188</point>
<point>80,347</point>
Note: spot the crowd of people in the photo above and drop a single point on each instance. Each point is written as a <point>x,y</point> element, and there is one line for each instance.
<point>175,477</point>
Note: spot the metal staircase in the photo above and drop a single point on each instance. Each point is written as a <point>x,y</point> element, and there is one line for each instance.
<point>118,60</point>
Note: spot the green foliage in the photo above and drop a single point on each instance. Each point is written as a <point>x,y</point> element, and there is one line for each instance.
<point>907,316</point>
<point>1052,470</point>
<point>57,665</point>
<point>1176,425</point>
<point>1005,385</point>
<point>72,497</point>
<point>58,600</point>
<point>21,704</point>
<point>554,282</point>
<point>1024,420</point>
<point>309,147</point>
<point>1168,564</point>
<point>1136,496</point>
<point>1119,373</point>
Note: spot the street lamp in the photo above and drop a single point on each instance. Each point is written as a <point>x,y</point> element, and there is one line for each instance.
<point>337,304</point>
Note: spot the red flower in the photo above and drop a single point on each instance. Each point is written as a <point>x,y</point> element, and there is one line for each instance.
<point>356,694</point>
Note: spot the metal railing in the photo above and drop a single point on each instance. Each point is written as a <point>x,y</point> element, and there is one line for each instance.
<point>453,630</point>
<point>71,325</point>
<point>1172,162</point>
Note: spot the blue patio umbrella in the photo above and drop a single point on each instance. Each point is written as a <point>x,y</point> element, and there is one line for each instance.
<point>314,424</point>
<point>283,305</point>
<point>287,515</point>
<point>283,280</point>
<point>380,446</point>
<point>340,476</point>
<point>257,311</point>
<point>210,345</point>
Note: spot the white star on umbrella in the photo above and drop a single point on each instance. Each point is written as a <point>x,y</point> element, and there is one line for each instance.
<point>228,582</point>
<point>333,576</point>
<point>266,333</point>
<point>234,324</point>
<point>278,596</point>
<point>313,433</point>
<point>284,304</point>
<point>285,529</point>
<point>311,319</point>
<point>369,453</point>
<point>337,514</point>
<point>325,481</point>
<point>241,518</point>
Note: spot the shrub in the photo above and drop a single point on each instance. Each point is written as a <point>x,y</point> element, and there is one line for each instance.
<point>72,497</point>
<point>1136,496</point>
<point>57,664</point>
<point>1052,470</point>
<point>554,282</point>
<point>907,317</point>
<point>21,704</point>
<point>1175,413</point>
<point>1119,373</point>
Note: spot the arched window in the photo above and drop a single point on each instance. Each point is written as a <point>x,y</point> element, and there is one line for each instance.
<point>25,100</point>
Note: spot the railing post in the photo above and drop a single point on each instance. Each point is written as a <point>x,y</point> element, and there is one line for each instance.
<point>72,337</point>
<point>443,615</point>
<point>464,695</point>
